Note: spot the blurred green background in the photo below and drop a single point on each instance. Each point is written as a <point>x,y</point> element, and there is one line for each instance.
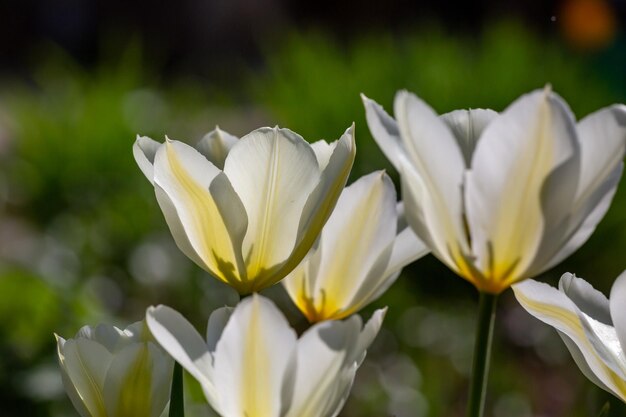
<point>83,241</point>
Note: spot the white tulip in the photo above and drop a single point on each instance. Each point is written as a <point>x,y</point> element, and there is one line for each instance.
<point>360,253</point>
<point>109,372</point>
<point>592,327</point>
<point>250,223</point>
<point>502,197</point>
<point>252,364</point>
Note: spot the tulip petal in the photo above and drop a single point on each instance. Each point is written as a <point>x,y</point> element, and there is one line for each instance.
<point>385,131</point>
<point>70,389</point>
<point>132,382</point>
<point>322,367</point>
<point>217,321</point>
<point>618,308</point>
<point>273,171</point>
<point>323,151</point>
<point>106,335</point>
<point>86,363</point>
<point>252,358</point>
<point>212,226</point>
<point>436,159</point>
<point>356,239</point>
<point>467,127</point>
<point>554,308</point>
<point>516,189</point>
<point>589,300</point>
<point>144,151</point>
<point>603,144</point>
<point>216,145</point>
<point>181,340</point>
<point>322,200</point>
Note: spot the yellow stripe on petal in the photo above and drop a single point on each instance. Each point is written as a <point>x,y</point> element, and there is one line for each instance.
<point>202,220</point>
<point>569,324</point>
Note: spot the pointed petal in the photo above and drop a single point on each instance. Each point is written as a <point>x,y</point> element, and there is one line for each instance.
<point>366,209</point>
<point>520,185</point>
<point>554,308</point>
<point>86,363</point>
<point>144,151</point>
<point>273,172</point>
<point>434,177</point>
<point>322,200</point>
<point>618,308</point>
<point>104,334</point>
<point>251,359</point>
<point>213,226</point>
<point>589,300</point>
<point>603,144</point>
<point>467,126</point>
<point>181,340</point>
<point>70,388</point>
<point>216,145</point>
<point>385,131</point>
<point>320,386</point>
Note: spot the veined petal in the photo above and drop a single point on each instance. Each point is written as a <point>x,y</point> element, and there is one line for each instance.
<point>251,359</point>
<point>554,308</point>
<point>181,340</point>
<point>213,226</point>
<point>273,171</point>
<point>322,200</point>
<point>385,131</point>
<point>86,363</point>
<point>319,389</point>
<point>356,240</point>
<point>435,179</point>
<point>467,127</point>
<point>618,308</point>
<point>70,388</point>
<point>518,187</point>
<point>144,151</point>
<point>216,145</point>
<point>602,138</point>
<point>132,380</point>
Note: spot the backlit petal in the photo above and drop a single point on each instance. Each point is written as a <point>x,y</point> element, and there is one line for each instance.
<point>144,151</point>
<point>467,127</point>
<point>181,340</point>
<point>252,358</point>
<point>273,171</point>
<point>216,145</point>
<point>385,131</point>
<point>435,178</point>
<point>213,227</point>
<point>554,308</point>
<point>513,191</point>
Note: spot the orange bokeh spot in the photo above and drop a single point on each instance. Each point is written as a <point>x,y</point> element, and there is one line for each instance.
<point>588,24</point>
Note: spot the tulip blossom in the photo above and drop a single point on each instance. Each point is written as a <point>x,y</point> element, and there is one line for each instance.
<point>592,327</point>
<point>360,253</point>
<point>252,364</point>
<point>109,372</point>
<point>502,197</point>
<point>248,210</point>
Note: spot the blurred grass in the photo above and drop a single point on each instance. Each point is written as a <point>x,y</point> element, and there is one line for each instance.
<point>83,240</point>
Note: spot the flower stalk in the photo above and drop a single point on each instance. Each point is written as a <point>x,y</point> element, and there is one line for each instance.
<point>177,403</point>
<point>482,354</point>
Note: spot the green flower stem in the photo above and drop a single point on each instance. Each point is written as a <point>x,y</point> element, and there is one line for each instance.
<point>177,403</point>
<point>482,354</point>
